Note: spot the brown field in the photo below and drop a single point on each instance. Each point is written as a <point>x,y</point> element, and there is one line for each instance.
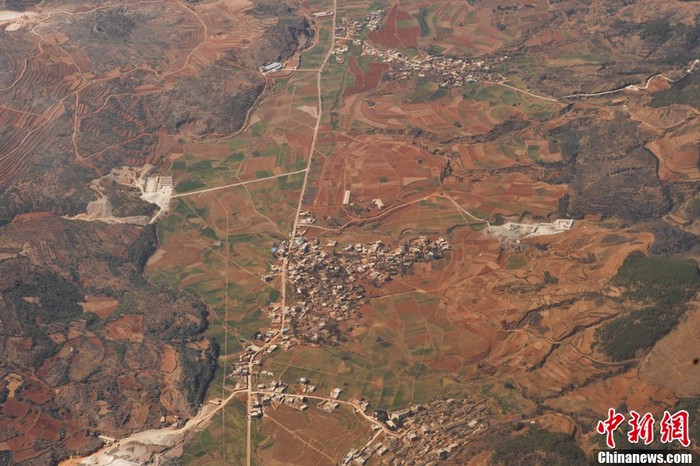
<point>26,422</point>
<point>103,306</point>
<point>471,28</point>
<point>670,365</point>
<point>437,116</point>
<point>507,194</point>
<point>393,36</point>
<point>311,437</point>
<point>364,81</point>
<point>126,328</point>
<point>371,169</point>
<point>678,154</point>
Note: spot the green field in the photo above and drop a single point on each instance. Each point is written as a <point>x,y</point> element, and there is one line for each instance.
<point>389,365</point>
<point>224,437</point>
<point>314,58</point>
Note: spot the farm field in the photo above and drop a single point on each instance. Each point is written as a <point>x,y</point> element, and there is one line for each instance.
<point>480,214</point>
<point>310,437</point>
<point>517,323</point>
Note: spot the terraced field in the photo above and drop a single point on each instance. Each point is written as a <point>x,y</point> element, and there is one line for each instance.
<point>334,149</point>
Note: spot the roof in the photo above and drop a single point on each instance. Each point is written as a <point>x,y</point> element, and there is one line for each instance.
<point>272,66</point>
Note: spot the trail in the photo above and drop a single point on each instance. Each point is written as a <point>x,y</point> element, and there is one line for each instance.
<point>318,118</point>
<point>166,437</point>
<point>232,185</point>
<point>630,87</point>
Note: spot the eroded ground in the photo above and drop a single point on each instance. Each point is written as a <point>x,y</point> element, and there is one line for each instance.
<point>534,330</point>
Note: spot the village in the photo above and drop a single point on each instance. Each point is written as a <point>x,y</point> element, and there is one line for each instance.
<point>430,432</point>
<point>448,71</point>
<point>329,285</point>
<point>423,433</point>
<point>329,281</point>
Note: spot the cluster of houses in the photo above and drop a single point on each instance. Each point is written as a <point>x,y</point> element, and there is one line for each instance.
<point>447,71</point>
<point>329,281</point>
<point>274,394</point>
<point>348,30</point>
<point>425,434</point>
<point>349,27</point>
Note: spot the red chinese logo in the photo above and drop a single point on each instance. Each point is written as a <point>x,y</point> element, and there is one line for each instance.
<point>675,427</point>
<point>672,427</point>
<point>642,427</point>
<point>609,426</point>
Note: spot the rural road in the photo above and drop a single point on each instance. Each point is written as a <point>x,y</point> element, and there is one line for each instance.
<point>118,453</point>
<point>633,87</point>
<point>318,118</point>
<point>232,185</point>
<point>306,171</point>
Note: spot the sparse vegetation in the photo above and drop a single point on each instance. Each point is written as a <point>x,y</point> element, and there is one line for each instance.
<point>670,240</point>
<point>660,280</point>
<point>692,405</point>
<point>143,247</point>
<point>423,21</point>
<point>656,31</point>
<point>115,23</point>
<point>538,447</point>
<point>685,91</point>
<point>53,298</point>
<point>198,370</point>
<point>664,286</point>
<point>608,169</point>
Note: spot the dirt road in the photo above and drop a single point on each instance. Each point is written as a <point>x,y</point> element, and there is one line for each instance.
<point>131,449</point>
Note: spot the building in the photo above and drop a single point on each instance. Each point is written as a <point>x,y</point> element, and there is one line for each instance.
<point>563,224</point>
<point>274,66</point>
<point>167,182</point>
<point>346,197</point>
<point>323,14</point>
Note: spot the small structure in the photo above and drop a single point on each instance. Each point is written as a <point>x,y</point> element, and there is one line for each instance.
<point>107,440</point>
<point>274,66</point>
<point>563,224</point>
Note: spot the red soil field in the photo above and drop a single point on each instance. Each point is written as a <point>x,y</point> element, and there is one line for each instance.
<point>365,81</point>
<point>392,36</point>
<point>129,327</point>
